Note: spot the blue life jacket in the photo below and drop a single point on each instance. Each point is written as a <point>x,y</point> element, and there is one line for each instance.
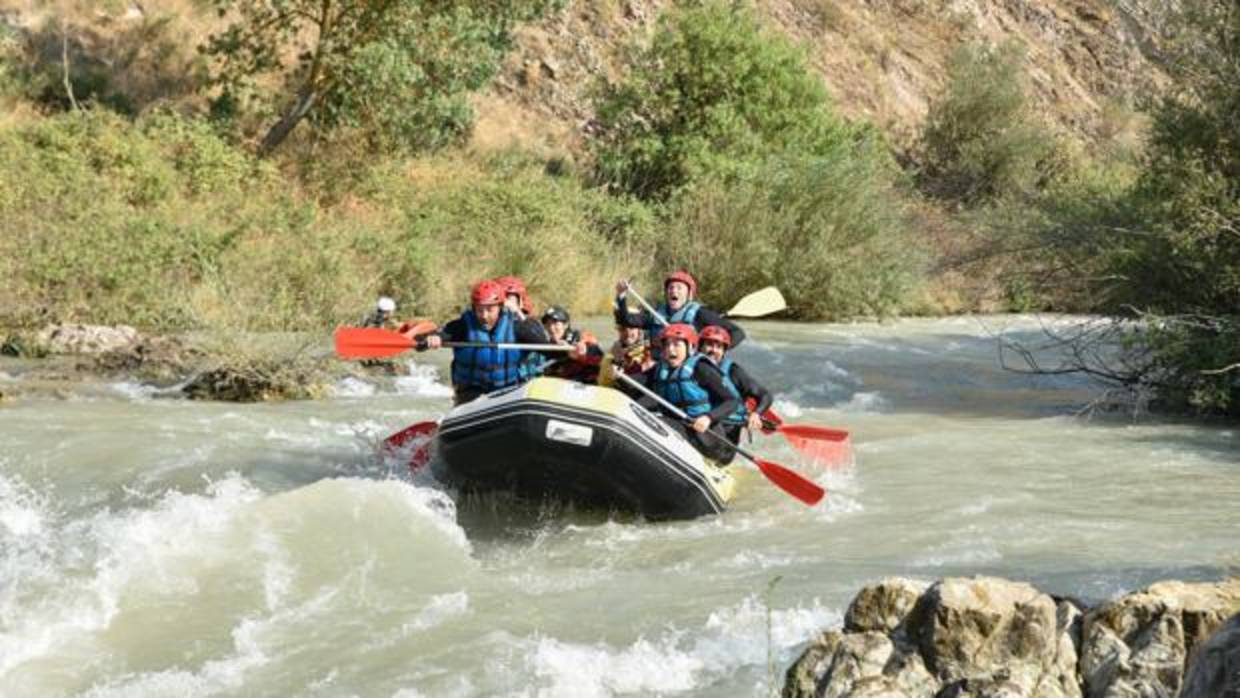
<point>487,367</point>
<point>741,413</point>
<point>687,314</point>
<point>533,365</point>
<point>676,385</point>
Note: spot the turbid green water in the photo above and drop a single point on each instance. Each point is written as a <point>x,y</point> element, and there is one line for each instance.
<point>157,547</point>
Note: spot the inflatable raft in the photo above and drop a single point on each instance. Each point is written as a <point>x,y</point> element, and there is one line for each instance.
<point>566,441</point>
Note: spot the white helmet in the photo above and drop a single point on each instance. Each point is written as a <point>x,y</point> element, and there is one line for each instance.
<point>386,305</point>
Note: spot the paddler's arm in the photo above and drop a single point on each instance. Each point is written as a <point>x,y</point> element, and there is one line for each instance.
<point>749,387</point>
<point>622,308</point>
<point>453,331</point>
<point>708,376</point>
<point>531,331</point>
<point>592,354</point>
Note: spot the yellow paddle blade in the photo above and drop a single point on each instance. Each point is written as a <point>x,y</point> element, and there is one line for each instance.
<point>759,303</point>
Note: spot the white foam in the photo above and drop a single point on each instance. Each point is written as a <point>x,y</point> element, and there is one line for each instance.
<point>23,512</point>
<point>730,639</point>
<point>786,408</point>
<point>442,607</point>
<point>352,387</point>
<point>422,381</point>
<point>138,551</point>
<point>132,390</point>
<point>866,403</point>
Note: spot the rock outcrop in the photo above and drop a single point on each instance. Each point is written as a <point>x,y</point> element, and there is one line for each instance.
<point>993,638</point>
<point>1140,644</point>
<point>86,339</point>
<point>1215,671</point>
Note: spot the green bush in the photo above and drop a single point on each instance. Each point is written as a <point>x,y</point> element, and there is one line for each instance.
<point>462,221</point>
<point>830,232</point>
<point>164,225</point>
<point>393,74</point>
<point>710,95</point>
<point>981,142</point>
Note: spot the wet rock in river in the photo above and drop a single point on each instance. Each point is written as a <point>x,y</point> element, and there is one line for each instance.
<point>259,381</point>
<point>994,638</point>
<point>958,637</point>
<point>1215,670</point>
<point>74,338</point>
<point>1140,644</point>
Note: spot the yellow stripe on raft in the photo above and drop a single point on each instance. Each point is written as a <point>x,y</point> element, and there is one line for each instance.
<point>574,394</point>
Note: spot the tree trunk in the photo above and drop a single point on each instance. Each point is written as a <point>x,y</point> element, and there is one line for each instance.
<point>286,124</point>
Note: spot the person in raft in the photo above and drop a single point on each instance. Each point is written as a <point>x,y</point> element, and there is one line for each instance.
<point>630,352</point>
<point>754,397</point>
<point>383,315</point>
<point>477,371</point>
<point>580,365</point>
<point>693,384</point>
<point>679,305</point>
<point>516,296</point>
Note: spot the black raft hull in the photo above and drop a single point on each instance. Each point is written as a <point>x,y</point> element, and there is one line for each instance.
<point>593,447</point>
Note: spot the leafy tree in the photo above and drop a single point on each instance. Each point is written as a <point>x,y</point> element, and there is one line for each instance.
<point>713,92</point>
<point>395,70</point>
<point>1166,250</point>
<point>981,142</point>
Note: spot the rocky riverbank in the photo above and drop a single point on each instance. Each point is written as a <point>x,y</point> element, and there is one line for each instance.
<point>49,361</point>
<point>987,637</point>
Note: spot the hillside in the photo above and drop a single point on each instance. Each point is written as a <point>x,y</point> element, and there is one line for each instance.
<point>883,60</point>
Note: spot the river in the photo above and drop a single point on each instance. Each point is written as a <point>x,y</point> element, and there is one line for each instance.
<point>152,546</point>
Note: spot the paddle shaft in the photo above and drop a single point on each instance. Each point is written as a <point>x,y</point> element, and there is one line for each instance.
<point>680,414</point>
<point>649,308</point>
<point>510,345</point>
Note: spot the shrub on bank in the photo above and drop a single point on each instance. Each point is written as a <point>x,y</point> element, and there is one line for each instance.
<point>162,224</point>
<point>830,232</point>
<point>981,141</point>
<point>713,93</point>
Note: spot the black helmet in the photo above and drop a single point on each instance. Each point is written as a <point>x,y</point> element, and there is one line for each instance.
<point>634,320</point>
<point>555,313</point>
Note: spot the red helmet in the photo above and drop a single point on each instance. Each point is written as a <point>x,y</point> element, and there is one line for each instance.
<point>515,286</point>
<point>680,330</point>
<point>683,277</point>
<point>715,333</point>
<point>487,292</point>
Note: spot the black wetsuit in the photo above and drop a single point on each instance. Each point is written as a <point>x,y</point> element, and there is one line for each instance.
<point>706,375</point>
<point>748,388</point>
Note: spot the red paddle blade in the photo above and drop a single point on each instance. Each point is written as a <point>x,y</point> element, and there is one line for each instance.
<point>828,447</point>
<point>421,455</point>
<point>369,342</point>
<point>794,484</point>
<point>407,434</point>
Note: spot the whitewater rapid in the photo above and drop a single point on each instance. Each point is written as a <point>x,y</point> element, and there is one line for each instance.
<point>151,546</point>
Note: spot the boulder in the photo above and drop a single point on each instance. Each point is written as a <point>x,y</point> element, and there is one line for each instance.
<point>1215,669</point>
<point>1007,635</point>
<point>1141,643</point>
<point>86,339</point>
<point>258,381</point>
<point>883,606</point>
<point>980,637</point>
<point>858,664</point>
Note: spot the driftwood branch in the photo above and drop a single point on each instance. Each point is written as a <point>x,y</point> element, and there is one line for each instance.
<point>64,60</point>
